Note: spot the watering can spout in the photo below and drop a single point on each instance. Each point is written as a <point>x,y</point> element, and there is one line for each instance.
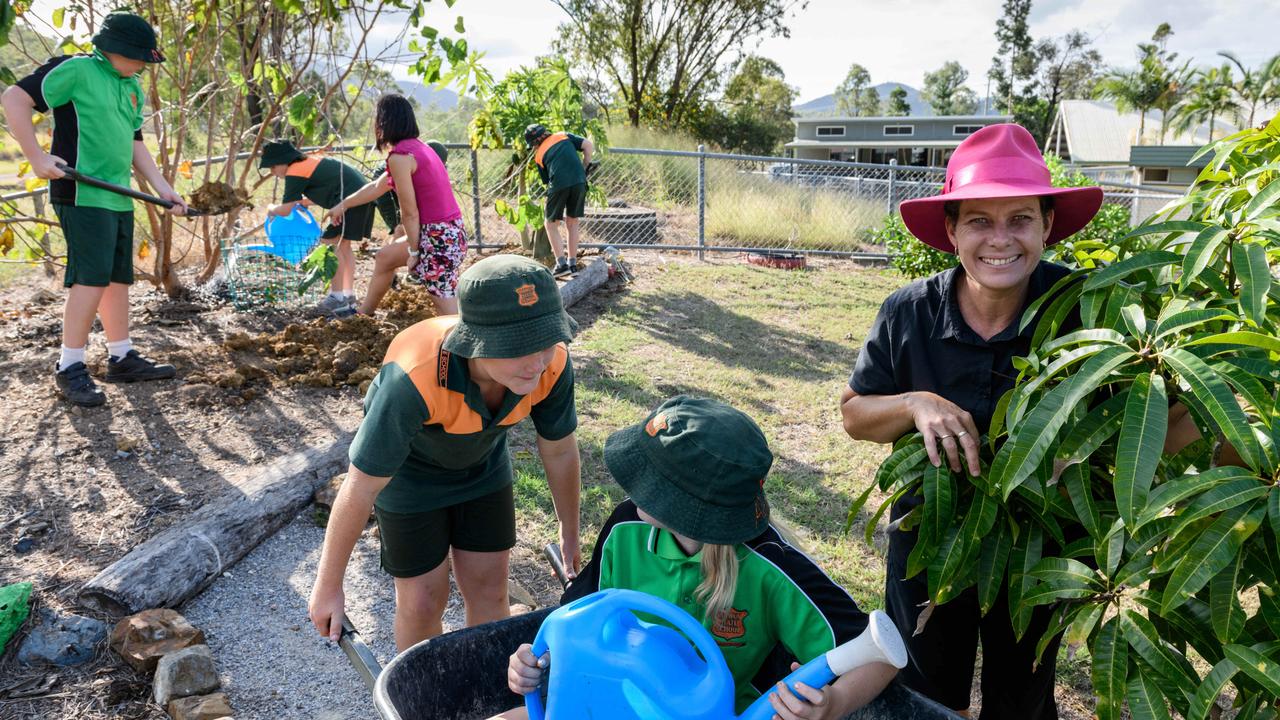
<point>879,643</point>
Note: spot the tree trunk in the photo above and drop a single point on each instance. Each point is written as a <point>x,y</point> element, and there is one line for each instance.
<point>581,285</point>
<point>177,564</point>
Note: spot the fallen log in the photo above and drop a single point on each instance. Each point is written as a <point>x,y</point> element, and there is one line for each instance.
<point>581,285</point>
<point>177,564</point>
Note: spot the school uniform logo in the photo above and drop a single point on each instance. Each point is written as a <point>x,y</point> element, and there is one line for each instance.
<point>527,295</point>
<point>729,627</point>
<point>133,98</point>
<point>656,423</point>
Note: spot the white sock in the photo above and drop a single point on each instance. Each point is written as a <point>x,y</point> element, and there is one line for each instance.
<point>119,348</point>
<point>69,357</point>
<point>348,296</point>
<point>337,294</point>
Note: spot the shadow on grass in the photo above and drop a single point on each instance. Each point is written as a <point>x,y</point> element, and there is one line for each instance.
<point>704,327</point>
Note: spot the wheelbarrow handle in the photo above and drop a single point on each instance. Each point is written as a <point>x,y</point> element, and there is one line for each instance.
<point>553,555</point>
<point>361,657</point>
<point>80,177</point>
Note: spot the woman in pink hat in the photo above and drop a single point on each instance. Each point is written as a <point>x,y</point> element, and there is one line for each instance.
<point>937,360</point>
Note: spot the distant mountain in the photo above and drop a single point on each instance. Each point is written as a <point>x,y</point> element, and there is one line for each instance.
<point>428,97</point>
<point>826,105</point>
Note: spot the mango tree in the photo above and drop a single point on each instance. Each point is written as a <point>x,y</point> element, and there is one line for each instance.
<point>1166,566</point>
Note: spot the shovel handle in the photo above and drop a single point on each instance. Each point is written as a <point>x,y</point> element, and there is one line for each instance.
<point>80,177</point>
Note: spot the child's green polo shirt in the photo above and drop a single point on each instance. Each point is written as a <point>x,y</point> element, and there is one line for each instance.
<point>97,116</point>
<point>427,427</point>
<point>785,607</point>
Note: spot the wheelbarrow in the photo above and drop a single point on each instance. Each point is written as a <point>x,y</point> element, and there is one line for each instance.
<point>462,675</point>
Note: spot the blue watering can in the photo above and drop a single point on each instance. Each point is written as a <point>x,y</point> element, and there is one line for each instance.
<point>608,663</point>
<point>292,236</point>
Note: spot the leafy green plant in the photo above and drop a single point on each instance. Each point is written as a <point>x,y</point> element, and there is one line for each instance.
<point>1163,564</point>
<point>319,266</point>
<point>908,255</point>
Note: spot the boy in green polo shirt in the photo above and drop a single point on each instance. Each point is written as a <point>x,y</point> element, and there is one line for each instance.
<point>430,458</point>
<point>556,157</point>
<point>96,101</point>
<point>695,531</point>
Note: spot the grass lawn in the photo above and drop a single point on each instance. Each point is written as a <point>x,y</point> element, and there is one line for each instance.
<point>778,345</point>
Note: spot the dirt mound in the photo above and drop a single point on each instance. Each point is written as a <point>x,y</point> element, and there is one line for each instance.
<point>322,352</point>
<point>218,197</point>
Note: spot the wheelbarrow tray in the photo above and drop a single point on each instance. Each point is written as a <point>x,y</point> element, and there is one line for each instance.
<point>462,675</point>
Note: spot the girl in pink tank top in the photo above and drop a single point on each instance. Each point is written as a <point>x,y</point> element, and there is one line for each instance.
<point>434,244</point>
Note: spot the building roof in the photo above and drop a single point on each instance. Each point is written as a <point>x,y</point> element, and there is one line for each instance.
<point>1170,156</point>
<point>984,119</point>
<point>906,141</point>
<point>1097,133</point>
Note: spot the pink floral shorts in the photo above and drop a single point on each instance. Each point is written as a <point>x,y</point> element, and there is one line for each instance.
<point>443,246</point>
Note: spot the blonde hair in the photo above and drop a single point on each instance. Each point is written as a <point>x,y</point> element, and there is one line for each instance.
<point>720,571</point>
<point>719,579</point>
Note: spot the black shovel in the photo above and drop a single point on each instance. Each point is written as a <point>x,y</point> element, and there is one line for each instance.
<point>73,174</point>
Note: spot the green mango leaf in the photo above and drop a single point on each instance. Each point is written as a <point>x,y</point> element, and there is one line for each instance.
<point>1175,227</point>
<point>1206,694</point>
<point>1247,384</point>
<point>1091,304</point>
<point>1110,669</point>
<point>1218,399</point>
<point>319,266</point>
<point>1213,550</point>
<point>884,507</point>
<point>1116,272</point>
<point>1110,551</point>
<point>1090,433</point>
<point>1171,670</point>
<point>1026,552</point>
<point>1145,700</point>
<point>954,557</point>
<point>939,501</point>
<point>1242,337</point>
<point>903,460</point>
<point>1250,263</point>
<point>1056,314</point>
<point>1018,457</point>
<point>1076,481</point>
<point>1080,337</point>
<point>1179,489</point>
<point>1267,199</point>
<point>1201,253</point>
<point>856,506</point>
<point>1142,434</point>
<point>1262,668</point>
<point>992,562</point>
<point>1224,602</point>
<point>1066,573</point>
<point>1029,315</point>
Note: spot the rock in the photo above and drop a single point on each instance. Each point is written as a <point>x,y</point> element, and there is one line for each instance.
<point>200,707</point>
<point>144,638</point>
<point>519,595</point>
<point>62,639</point>
<point>325,496</point>
<point>346,358</point>
<point>198,394</point>
<point>43,296</point>
<point>520,609</point>
<point>184,673</point>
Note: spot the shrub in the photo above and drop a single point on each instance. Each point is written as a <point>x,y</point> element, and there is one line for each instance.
<point>1178,556</point>
<point>908,255</point>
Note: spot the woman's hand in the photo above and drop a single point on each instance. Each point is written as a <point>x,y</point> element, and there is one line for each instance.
<point>334,216</point>
<point>940,420</point>
<point>524,673</point>
<point>414,256</point>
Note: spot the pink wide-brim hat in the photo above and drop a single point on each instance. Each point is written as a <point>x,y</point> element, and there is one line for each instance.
<point>999,161</point>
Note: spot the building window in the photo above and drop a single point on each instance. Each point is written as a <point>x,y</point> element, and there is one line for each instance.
<point>964,130</point>
<point>830,131</point>
<point>899,129</point>
<point>1155,175</point>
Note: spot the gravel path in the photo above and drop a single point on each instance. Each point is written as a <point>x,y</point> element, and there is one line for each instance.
<point>273,663</point>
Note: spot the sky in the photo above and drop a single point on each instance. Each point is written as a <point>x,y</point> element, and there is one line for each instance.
<point>898,40</point>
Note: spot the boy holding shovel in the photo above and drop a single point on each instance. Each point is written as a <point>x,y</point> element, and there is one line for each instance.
<point>97,224</point>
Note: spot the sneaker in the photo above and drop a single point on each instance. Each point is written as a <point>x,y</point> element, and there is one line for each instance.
<point>331,304</point>
<point>346,311</point>
<point>574,266</point>
<point>135,366</point>
<point>75,385</point>
<point>562,267</point>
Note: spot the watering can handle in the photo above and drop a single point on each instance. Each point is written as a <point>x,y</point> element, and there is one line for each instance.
<point>650,605</point>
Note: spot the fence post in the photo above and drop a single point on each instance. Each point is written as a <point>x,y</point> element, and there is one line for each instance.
<point>475,198</point>
<point>702,201</point>
<point>893,165</point>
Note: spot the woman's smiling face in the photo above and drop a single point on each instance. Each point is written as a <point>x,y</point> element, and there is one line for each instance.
<point>1000,240</point>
